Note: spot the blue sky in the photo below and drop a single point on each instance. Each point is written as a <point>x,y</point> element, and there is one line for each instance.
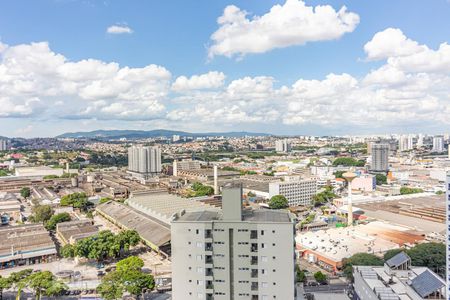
<point>253,91</point>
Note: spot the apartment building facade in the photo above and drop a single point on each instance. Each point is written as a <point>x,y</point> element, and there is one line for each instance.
<point>233,253</point>
<point>296,190</point>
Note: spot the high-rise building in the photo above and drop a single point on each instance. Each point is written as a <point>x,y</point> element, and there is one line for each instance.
<point>405,143</point>
<point>282,146</point>
<point>438,143</point>
<point>296,190</point>
<point>233,253</point>
<point>380,155</point>
<point>176,138</point>
<point>420,141</point>
<point>447,206</point>
<point>144,160</point>
<point>3,145</point>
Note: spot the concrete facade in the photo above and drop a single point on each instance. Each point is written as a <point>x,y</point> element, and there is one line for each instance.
<point>234,253</point>
<point>144,160</point>
<point>380,154</point>
<point>297,191</point>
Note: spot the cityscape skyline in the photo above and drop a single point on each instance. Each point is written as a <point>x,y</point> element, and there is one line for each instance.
<point>114,71</point>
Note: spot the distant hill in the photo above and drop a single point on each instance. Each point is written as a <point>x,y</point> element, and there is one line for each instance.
<point>138,134</point>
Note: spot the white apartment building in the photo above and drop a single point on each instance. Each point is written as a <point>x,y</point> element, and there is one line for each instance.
<point>233,253</point>
<point>144,160</point>
<point>405,143</point>
<point>438,143</point>
<point>282,146</point>
<point>380,156</point>
<point>3,145</point>
<point>296,190</point>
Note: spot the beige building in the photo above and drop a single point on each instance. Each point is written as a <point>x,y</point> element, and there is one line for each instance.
<point>233,253</point>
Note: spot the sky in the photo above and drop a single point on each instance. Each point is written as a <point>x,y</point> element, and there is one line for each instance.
<point>283,67</point>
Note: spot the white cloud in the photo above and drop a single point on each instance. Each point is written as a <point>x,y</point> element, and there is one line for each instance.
<point>208,80</point>
<point>37,83</point>
<point>119,29</point>
<point>290,24</point>
<point>391,42</point>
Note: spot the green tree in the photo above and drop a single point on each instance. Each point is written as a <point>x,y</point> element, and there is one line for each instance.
<point>127,277</point>
<point>67,251</point>
<point>111,288</point>
<point>431,255</point>
<point>300,275</point>
<point>381,179</point>
<point>25,192</point>
<point>360,259</point>
<point>5,284</point>
<point>45,283</point>
<point>76,200</point>
<point>50,177</point>
<point>320,277</point>
<point>404,190</point>
<point>55,219</point>
<point>348,162</point>
<point>42,213</point>
<point>201,190</point>
<point>278,202</point>
<point>324,197</point>
<point>19,280</point>
<point>338,174</point>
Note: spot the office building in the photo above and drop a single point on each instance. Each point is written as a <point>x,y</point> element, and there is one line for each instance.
<point>380,155</point>
<point>3,145</point>
<point>282,146</point>
<point>296,190</point>
<point>144,160</point>
<point>233,253</point>
<point>438,143</point>
<point>176,138</point>
<point>396,280</point>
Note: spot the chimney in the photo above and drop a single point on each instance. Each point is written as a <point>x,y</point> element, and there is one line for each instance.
<point>175,168</point>
<point>67,167</point>
<point>232,202</point>
<point>216,186</point>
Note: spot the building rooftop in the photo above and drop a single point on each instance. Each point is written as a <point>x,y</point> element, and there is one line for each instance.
<point>25,241</point>
<point>75,230</point>
<point>248,215</point>
<point>150,229</point>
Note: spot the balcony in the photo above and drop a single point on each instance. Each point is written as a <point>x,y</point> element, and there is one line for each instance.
<point>254,273</point>
<point>254,234</point>
<point>254,260</point>
<point>209,296</point>
<point>209,272</point>
<point>208,234</point>
<point>254,247</point>
<point>209,285</point>
<point>208,259</point>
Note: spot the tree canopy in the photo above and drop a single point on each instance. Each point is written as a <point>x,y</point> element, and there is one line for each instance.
<point>320,277</point>
<point>404,190</point>
<point>360,259</point>
<point>55,219</point>
<point>381,179</point>
<point>201,190</point>
<point>25,192</point>
<point>325,196</point>
<point>278,202</point>
<point>41,213</point>
<point>128,277</point>
<point>348,162</point>
<point>103,245</point>
<point>76,200</point>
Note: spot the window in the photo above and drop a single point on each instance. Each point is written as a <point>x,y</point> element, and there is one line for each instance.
<point>263,271</point>
<point>264,284</point>
<point>262,232</point>
<point>197,231</point>
<point>263,246</point>
<point>199,270</point>
<point>199,257</point>
<point>199,282</point>
<point>264,258</point>
<point>199,244</point>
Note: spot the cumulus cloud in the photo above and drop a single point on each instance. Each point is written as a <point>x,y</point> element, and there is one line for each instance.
<point>34,79</point>
<point>404,91</point>
<point>391,42</point>
<point>209,80</point>
<point>293,23</point>
<point>119,29</point>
